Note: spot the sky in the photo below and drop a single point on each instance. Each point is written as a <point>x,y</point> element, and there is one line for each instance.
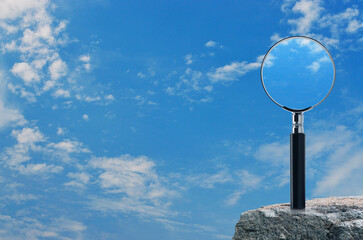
<point>148,120</point>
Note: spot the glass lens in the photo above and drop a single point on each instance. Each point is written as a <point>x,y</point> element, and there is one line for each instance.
<point>298,73</point>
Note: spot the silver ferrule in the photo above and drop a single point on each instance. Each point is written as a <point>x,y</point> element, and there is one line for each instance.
<point>297,122</point>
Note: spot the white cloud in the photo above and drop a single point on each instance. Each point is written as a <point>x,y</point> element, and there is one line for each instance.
<point>277,155</point>
<point>173,225</point>
<point>86,60</point>
<point>170,91</point>
<point>110,97</point>
<point>269,60</point>
<point>354,26</point>
<point>80,179</point>
<point>11,9</point>
<point>62,93</point>
<point>35,38</point>
<point>231,72</point>
<point>246,182</point>
<point>210,180</point>
<point>135,180</point>
<point>242,180</point>
<point>92,99</point>
<point>193,82</point>
<point>310,9</point>
<point>10,117</point>
<point>285,7</point>
<point>210,44</point>
<point>128,205</point>
<point>141,75</point>
<point>151,72</point>
<point>152,103</point>
<point>68,225</point>
<point>25,72</point>
<point>342,26</point>
<point>126,174</point>
<point>57,69</point>
<point>341,179</point>
<point>85,117</point>
<point>39,168</point>
<point>340,21</point>
<point>17,89</point>
<point>69,146</point>
<point>88,98</point>
<point>28,135</point>
<point>20,197</point>
<point>29,227</point>
<point>276,37</point>
<point>188,59</point>
<point>18,157</point>
<point>192,79</point>
<point>248,179</point>
<point>61,131</point>
<point>233,198</point>
<point>315,66</point>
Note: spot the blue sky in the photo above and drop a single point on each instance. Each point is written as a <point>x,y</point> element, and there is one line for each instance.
<point>147,120</point>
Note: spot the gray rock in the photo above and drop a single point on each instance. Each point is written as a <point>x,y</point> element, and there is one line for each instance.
<point>326,218</point>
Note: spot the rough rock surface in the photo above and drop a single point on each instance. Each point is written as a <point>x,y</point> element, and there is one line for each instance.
<point>326,218</point>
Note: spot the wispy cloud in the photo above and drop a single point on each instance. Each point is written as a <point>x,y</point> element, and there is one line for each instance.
<point>50,155</point>
<point>242,180</point>
<point>18,156</point>
<point>141,75</point>
<point>188,59</point>
<point>10,117</point>
<point>174,226</point>
<point>354,25</point>
<point>20,197</point>
<point>310,11</point>
<point>132,185</point>
<point>86,61</point>
<point>315,66</point>
<point>205,180</point>
<point>191,83</point>
<point>62,93</point>
<point>79,179</point>
<point>69,146</point>
<point>233,71</point>
<point>29,227</point>
<point>246,182</point>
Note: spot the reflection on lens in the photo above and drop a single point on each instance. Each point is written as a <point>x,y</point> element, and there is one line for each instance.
<point>298,73</point>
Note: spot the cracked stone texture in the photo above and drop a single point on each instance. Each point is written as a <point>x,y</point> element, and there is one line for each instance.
<point>326,218</point>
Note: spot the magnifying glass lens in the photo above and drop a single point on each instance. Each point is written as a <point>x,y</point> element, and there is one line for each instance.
<point>298,73</point>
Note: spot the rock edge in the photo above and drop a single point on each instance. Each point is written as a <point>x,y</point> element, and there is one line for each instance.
<point>325,218</point>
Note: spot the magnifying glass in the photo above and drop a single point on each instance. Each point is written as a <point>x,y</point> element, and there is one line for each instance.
<point>297,73</point>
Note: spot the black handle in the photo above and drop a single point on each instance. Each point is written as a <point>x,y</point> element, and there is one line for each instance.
<point>297,170</point>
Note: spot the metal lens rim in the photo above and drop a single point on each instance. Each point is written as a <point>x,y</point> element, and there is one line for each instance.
<point>263,84</point>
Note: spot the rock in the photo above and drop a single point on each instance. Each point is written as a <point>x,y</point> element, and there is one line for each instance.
<point>326,218</point>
